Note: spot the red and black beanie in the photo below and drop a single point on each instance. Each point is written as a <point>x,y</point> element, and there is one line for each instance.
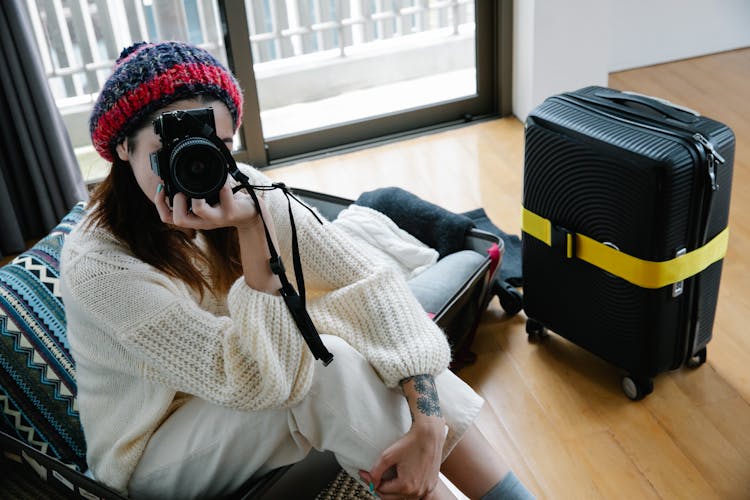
<point>149,76</point>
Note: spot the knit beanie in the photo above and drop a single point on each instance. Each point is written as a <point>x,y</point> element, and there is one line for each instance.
<point>149,76</point>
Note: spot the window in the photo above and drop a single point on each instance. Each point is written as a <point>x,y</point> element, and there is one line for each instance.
<point>325,74</point>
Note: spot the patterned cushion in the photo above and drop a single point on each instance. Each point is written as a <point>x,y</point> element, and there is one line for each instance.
<point>37,379</point>
<point>344,486</point>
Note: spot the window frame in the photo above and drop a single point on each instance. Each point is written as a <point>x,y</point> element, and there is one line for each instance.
<point>494,24</point>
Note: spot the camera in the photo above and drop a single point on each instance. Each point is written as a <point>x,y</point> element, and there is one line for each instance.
<point>189,161</point>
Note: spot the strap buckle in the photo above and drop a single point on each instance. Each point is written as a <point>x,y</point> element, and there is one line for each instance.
<point>277,267</point>
<point>563,240</point>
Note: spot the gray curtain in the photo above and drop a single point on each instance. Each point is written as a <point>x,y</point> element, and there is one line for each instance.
<point>39,176</point>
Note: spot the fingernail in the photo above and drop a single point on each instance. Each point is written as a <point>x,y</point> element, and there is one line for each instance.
<point>372,488</point>
<point>159,188</point>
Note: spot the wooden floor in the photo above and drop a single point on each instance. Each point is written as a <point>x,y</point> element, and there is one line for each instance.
<point>556,412</point>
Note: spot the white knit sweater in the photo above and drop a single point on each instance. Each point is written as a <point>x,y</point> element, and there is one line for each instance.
<point>141,340</point>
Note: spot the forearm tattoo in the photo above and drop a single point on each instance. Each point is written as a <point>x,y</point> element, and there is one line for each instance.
<point>427,397</point>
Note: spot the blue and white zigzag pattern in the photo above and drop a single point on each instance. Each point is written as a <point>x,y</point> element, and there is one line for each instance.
<point>39,401</point>
<point>21,424</point>
<point>37,363</point>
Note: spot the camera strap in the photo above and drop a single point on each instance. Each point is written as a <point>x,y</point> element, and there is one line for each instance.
<point>294,301</point>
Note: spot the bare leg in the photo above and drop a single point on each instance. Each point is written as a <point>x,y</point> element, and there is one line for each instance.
<point>474,466</point>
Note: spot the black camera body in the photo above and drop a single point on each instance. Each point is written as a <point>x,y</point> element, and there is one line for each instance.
<point>189,161</point>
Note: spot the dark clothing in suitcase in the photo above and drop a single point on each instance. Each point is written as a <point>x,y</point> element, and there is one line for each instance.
<point>431,224</point>
<point>648,179</point>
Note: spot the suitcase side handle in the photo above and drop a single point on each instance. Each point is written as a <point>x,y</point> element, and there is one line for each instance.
<point>670,110</point>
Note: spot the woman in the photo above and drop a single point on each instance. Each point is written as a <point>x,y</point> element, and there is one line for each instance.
<point>192,376</point>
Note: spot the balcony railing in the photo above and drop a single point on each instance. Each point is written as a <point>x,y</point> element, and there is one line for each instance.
<point>79,40</point>
<point>290,28</point>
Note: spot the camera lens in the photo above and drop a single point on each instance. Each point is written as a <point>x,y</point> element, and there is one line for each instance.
<point>198,168</point>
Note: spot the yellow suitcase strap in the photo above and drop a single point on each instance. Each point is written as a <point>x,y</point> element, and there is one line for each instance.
<point>644,273</point>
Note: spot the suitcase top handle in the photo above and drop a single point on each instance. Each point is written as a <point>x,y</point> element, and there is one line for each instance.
<point>640,272</point>
<point>679,113</point>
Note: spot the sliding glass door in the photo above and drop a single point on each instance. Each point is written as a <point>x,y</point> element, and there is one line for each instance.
<point>327,74</point>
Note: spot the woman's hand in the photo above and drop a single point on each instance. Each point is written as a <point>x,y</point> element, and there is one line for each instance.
<point>233,209</point>
<point>237,210</point>
<point>410,467</point>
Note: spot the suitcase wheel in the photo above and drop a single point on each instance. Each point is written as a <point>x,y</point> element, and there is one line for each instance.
<point>698,359</point>
<point>637,388</point>
<point>535,330</point>
<point>511,301</point>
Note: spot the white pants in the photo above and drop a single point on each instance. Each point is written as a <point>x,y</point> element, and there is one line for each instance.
<point>204,450</point>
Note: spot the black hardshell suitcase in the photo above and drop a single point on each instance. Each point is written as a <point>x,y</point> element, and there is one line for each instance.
<point>648,179</point>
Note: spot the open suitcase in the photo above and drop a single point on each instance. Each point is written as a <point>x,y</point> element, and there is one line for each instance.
<point>625,213</point>
<point>457,311</point>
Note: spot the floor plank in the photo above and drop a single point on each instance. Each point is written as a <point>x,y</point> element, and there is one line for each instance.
<point>720,463</point>
<point>603,455</point>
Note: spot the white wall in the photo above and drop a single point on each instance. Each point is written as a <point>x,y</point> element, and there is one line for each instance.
<point>656,31</point>
<point>557,46</point>
<point>564,45</point>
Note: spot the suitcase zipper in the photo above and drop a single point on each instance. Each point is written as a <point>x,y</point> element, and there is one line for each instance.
<point>711,158</point>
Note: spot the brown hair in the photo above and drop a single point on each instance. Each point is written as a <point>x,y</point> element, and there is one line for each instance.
<point>120,206</point>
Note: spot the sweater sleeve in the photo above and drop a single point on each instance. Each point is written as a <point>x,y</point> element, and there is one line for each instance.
<point>368,305</point>
<point>251,360</point>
